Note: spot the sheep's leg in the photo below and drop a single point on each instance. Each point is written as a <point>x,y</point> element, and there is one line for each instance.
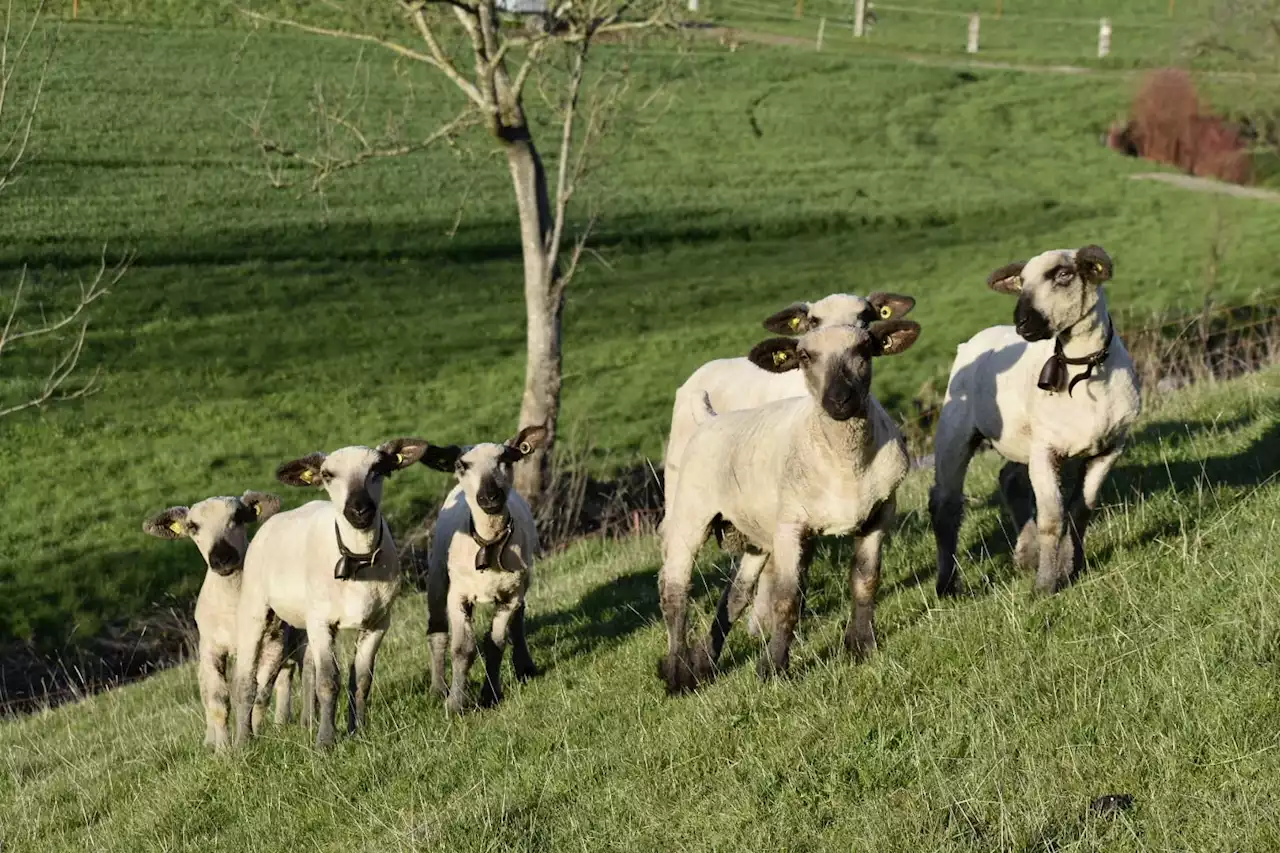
<point>1082,505</point>
<point>760,624</point>
<point>463,651</point>
<point>361,679</point>
<point>494,644</point>
<point>674,581</point>
<point>521,660</point>
<point>284,680</point>
<point>1015,489</point>
<point>954,446</point>
<point>214,695</point>
<point>320,645</point>
<point>308,687</point>
<point>438,629</point>
<point>734,600</point>
<point>269,668</point>
<point>250,628</point>
<point>864,580</point>
<point>789,562</point>
<point>1045,467</point>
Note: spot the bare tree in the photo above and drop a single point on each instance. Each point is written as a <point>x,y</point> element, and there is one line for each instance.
<point>493,84</point>
<point>61,336</point>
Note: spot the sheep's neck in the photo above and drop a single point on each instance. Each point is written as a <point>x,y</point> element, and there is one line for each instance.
<point>1089,334</point>
<point>844,439</point>
<point>359,541</point>
<point>488,527</point>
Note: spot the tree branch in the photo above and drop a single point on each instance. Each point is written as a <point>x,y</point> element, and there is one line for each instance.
<point>442,60</point>
<point>21,135</point>
<point>364,38</point>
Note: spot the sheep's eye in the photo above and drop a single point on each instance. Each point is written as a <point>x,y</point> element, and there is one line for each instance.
<point>326,476</point>
<point>461,467</point>
<point>1063,276</point>
<point>193,528</point>
<point>803,355</point>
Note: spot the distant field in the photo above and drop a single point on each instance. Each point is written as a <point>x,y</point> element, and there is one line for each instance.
<point>987,723</point>
<point>258,324</point>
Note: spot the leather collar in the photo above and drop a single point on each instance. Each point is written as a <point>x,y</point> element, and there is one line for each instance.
<point>1053,376</point>
<point>490,554</point>
<point>350,562</point>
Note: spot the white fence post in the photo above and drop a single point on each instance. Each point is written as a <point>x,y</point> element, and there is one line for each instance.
<point>859,18</point>
<point>973,34</point>
<point>1104,38</point>
<point>822,26</point>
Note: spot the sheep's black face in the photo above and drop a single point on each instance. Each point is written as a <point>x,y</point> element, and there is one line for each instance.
<point>1055,289</point>
<point>360,509</point>
<point>218,526</point>
<point>846,391</point>
<point>837,365</point>
<point>485,473</point>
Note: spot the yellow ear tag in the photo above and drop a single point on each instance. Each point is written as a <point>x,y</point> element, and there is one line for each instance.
<point>399,458</point>
<point>526,448</point>
<point>257,509</point>
<point>885,312</point>
<point>306,476</point>
<point>795,322</point>
<point>779,357</point>
<point>177,527</point>
<point>1097,267</point>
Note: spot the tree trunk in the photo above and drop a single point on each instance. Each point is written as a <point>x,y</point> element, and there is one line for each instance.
<point>543,304</point>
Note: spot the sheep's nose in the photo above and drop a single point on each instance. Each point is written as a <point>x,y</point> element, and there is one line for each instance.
<point>360,511</point>
<point>844,399</point>
<point>1029,323</point>
<point>224,558</point>
<point>491,499</point>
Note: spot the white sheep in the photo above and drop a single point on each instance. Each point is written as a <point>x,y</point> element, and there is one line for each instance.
<point>827,463</point>
<point>482,552</point>
<point>219,528</point>
<point>328,565</point>
<point>732,384</point>
<point>1058,385</point>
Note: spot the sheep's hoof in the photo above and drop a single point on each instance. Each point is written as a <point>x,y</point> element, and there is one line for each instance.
<point>677,674</point>
<point>703,666</point>
<point>324,740</point>
<point>768,670</point>
<point>860,642</point>
<point>524,673</point>
<point>1045,587</point>
<point>489,697</point>
<point>456,705</point>
<point>441,690</point>
<point>950,588</point>
<point>1026,553</point>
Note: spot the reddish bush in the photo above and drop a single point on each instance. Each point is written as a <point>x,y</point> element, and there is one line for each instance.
<point>1170,125</point>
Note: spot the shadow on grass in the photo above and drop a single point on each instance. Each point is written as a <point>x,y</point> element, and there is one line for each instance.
<point>603,618</point>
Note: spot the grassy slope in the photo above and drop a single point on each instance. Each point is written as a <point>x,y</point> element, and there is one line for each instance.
<point>257,325</point>
<point>987,723</point>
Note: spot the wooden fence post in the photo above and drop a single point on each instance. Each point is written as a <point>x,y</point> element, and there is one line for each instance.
<point>799,8</point>
<point>859,18</point>
<point>972,47</point>
<point>1104,38</point>
<point>693,5</point>
<point>822,26</point>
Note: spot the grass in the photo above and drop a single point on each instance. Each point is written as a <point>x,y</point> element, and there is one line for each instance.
<point>260,324</point>
<point>986,723</point>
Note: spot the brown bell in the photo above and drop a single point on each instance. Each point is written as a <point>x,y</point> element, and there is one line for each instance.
<point>1053,376</point>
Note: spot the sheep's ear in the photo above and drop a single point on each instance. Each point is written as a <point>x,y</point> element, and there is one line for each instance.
<point>1007,279</point>
<point>1093,264</point>
<point>399,453</point>
<point>260,504</point>
<point>441,458</point>
<point>776,355</point>
<point>301,472</point>
<point>529,440</point>
<point>170,524</point>
<point>895,336</point>
<point>891,306</point>
<point>790,321</point>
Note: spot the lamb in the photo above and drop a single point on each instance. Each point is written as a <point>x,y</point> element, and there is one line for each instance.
<point>482,551</point>
<point>329,565</point>
<point>219,528</point>
<point>826,463</point>
<point>1014,386</point>
<point>732,384</point>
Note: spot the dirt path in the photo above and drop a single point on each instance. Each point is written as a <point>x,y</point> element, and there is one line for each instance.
<point>1205,185</point>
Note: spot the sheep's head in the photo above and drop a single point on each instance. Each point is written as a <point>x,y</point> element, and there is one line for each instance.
<point>1055,290</point>
<point>218,526</point>
<point>353,476</point>
<point>485,470</point>
<point>839,309</point>
<point>837,361</point>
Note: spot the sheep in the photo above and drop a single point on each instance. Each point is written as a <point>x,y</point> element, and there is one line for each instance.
<point>731,384</point>
<point>1014,386</point>
<point>219,528</point>
<point>826,463</point>
<point>482,551</point>
<point>329,565</point>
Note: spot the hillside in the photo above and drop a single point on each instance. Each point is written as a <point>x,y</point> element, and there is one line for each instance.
<point>986,723</point>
